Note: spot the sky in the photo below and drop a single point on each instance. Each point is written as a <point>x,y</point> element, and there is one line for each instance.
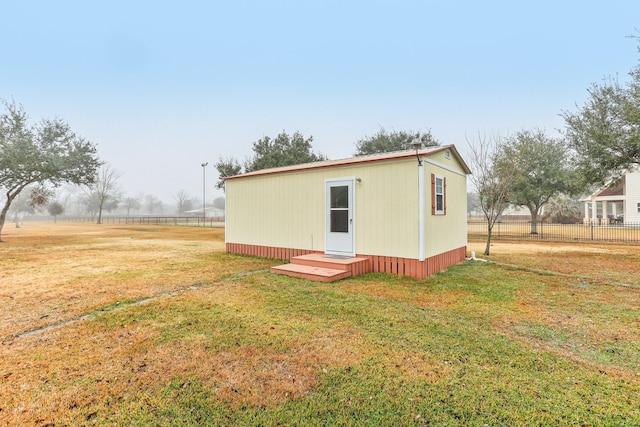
<point>162,87</point>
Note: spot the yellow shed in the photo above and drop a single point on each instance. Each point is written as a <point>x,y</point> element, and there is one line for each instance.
<point>404,212</point>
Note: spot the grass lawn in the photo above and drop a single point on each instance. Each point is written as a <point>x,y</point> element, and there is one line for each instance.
<point>158,326</point>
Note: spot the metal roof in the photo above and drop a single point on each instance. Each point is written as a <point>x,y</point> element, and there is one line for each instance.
<point>394,155</point>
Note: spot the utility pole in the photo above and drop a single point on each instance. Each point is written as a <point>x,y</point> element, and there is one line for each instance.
<point>204,193</point>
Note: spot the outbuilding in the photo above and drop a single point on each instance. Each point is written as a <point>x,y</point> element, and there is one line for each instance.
<point>401,212</point>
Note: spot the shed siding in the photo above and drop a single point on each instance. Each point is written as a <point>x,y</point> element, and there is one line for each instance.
<point>386,209</point>
<point>280,210</point>
<point>287,210</point>
<point>444,232</point>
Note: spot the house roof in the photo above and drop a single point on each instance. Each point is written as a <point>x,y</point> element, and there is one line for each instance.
<point>616,190</point>
<point>394,155</point>
<point>613,187</point>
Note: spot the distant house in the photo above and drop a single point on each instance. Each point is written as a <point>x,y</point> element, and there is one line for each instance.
<point>209,212</point>
<point>615,203</point>
<point>402,212</point>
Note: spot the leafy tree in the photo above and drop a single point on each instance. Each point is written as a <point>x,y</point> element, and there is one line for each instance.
<point>605,132</point>
<point>219,202</point>
<point>383,141</point>
<point>562,209</point>
<point>544,170</point>
<point>227,167</point>
<point>48,153</point>
<point>55,209</point>
<point>492,183</point>
<point>283,150</point>
<point>30,199</point>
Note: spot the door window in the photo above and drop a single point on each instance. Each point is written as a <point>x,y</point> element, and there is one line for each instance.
<point>339,209</point>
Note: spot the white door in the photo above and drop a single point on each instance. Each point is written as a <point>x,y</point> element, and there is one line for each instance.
<point>340,224</point>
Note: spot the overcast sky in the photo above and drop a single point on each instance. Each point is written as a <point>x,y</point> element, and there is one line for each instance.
<point>162,87</point>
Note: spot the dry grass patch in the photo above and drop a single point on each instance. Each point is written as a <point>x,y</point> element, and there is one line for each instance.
<point>410,291</point>
<point>54,272</point>
<point>608,263</point>
<point>219,337</point>
<point>416,365</point>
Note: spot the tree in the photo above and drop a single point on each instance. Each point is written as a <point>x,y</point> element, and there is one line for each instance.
<point>226,167</point>
<point>283,150</point>
<point>131,203</point>
<point>30,199</point>
<point>152,203</point>
<point>473,204</point>
<point>563,209</point>
<point>492,184</point>
<point>48,153</point>
<point>219,203</point>
<point>383,141</point>
<point>105,191</point>
<point>55,209</point>
<point>605,132</point>
<point>544,171</point>
<point>184,202</point>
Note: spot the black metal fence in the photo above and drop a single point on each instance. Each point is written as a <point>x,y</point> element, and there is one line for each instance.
<point>601,231</point>
<point>150,220</point>
<point>597,231</point>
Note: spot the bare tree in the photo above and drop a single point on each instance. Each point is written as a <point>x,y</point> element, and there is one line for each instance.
<point>492,184</point>
<point>105,191</point>
<point>130,203</point>
<point>184,202</point>
<point>152,203</point>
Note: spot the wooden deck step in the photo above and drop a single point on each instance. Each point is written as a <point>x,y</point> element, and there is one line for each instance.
<point>323,268</point>
<point>317,274</point>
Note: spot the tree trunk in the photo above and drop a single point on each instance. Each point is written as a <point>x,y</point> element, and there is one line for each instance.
<point>5,210</point>
<point>3,216</point>
<point>534,218</point>
<point>487,248</point>
<point>534,222</point>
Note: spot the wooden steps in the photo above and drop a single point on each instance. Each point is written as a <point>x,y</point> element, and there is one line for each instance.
<point>323,268</point>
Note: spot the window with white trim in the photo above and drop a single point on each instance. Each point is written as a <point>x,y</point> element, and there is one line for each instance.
<point>438,195</point>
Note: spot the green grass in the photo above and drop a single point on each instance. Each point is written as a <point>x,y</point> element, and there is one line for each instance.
<point>411,365</point>
<point>480,344</point>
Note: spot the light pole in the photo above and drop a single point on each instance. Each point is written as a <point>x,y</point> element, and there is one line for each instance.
<point>204,193</point>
